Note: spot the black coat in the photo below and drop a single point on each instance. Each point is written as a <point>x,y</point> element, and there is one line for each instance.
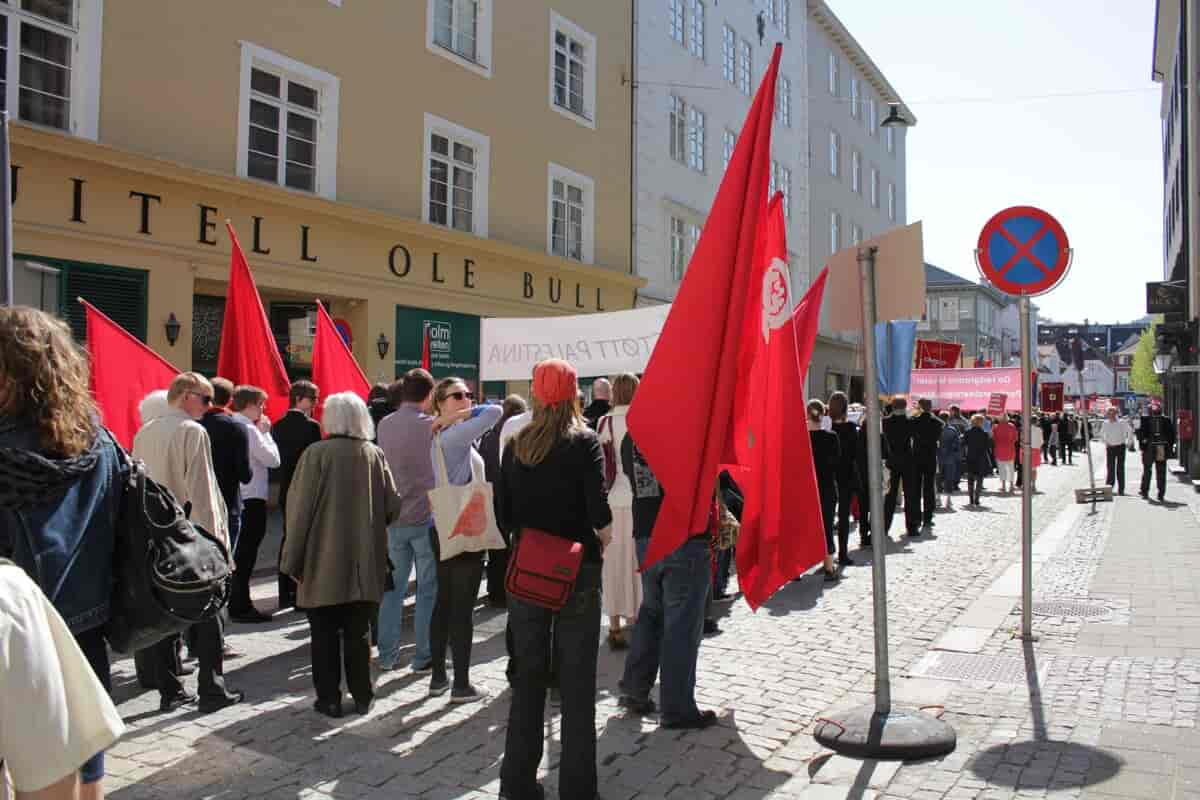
<point>927,436</point>
<point>848,454</point>
<point>899,432</point>
<point>826,455</point>
<point>230,455</point>
<point>595,410</point>
<point>978,446</point>
<point>293,433</point>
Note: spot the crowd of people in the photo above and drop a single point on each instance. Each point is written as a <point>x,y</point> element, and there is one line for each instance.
<point>356,491</point>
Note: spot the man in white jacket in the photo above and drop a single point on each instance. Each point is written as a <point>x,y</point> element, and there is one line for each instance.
<point>248,405</point>
<point>178,454</point>
<point>1117,436</point>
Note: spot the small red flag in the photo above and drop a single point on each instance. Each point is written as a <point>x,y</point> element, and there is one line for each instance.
<point>249,354</point>
<point>781,534</point>
<point>333,366</point>
<point>937,355</point>
<point>425,348</point>
<point>124,371</point>
<point>682,412</point>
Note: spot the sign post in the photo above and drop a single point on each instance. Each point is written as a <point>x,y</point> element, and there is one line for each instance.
<point>1023,251</point>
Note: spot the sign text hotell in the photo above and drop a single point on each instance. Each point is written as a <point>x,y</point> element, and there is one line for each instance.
<point>399,257</point>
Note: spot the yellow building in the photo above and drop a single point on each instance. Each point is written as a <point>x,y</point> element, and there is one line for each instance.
<point>416,163</point>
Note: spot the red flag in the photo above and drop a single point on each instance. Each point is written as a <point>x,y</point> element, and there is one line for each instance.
<point>682,412</point>
<point>425,349</point>
<point>333,366</point>
<point>124,371</point>
<point>249,354</point>
<point>937,355</point>
<point>781,535</point>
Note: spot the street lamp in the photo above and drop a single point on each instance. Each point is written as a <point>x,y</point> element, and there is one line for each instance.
<point>1164,361</point>
<point>894,117</point>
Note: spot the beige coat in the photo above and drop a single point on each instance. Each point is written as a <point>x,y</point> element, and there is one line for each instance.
<point>339,505</point>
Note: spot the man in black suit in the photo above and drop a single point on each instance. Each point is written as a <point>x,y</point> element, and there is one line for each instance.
<point>927,435</point>
<point>1156,438</point>
<point>293,433</point>
<point>230,454</point>
<point>899,432</point>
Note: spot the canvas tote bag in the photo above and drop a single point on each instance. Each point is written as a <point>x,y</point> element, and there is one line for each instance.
<point>464,515</point>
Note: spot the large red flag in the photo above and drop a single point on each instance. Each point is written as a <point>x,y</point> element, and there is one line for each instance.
<point>249,354</point>
<point>333,366</point>
<point>782,535</point>
<point>124,371</point>
<point>683,408</point>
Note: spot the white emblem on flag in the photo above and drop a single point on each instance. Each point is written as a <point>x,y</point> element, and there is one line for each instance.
<point>776,297</point>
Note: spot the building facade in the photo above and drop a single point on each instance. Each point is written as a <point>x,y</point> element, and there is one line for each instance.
<point>857,176</point>
<point>699,64</point>
<point>495,185</point>
<point>1010,334</point>
<point>960,311</point>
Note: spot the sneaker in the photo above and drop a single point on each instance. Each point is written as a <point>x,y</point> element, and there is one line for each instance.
<point>467,694</point>
<point>438,687</point>
<point>177,700</point>
<point>214,703</point>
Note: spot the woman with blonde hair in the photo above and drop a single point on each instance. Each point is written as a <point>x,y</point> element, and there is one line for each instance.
<point>552,480</point>
<point>341,500</point>
<point>622,585</point>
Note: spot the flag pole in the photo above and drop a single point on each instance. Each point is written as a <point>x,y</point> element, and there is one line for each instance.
<point>6,248</point>
<point>880,731</point>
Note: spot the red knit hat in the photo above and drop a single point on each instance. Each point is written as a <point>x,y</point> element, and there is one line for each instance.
<point>555,381</point>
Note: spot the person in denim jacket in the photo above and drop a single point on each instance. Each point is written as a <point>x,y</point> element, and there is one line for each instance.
<point>60,484</point>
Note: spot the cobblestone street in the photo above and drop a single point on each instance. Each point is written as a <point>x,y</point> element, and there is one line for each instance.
<point>1104,704</point>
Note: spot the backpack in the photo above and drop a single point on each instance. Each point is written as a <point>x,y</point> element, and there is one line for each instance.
<point>168,573</point>
<point>610,453</point>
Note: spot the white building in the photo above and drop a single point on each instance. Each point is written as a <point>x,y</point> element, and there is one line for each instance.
<point>698,65</point>
<point>856,171</point>
<point>1010,335</point>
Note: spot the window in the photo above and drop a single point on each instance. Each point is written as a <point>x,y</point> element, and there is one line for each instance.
<point>781,181</point>
<point>677,122</point>
<point>855,111</point>
<point>780,14</point>
<point>728,142</point>
<point>675,12</point>
<point>570,204</point>
<point>572,71</point>
<point>679,248</point>
<point>891,201</point>
<point>948,313</point>
<point>288,122</point>
<point>835,154</point>
<point>695,139</point>
<point>744,65</point>
<point>874,187</point>
<point>729,54</point>
<point>783,102</point>
<point>855,172</point>
<point>833,74</point>
<point>461,31</point>
<point>455,188</point>
<point>835,232</point>
<point>695,43</point>
<point>891,139</point>
<point>856,234</point>
<point>872,117</point>
<point>51,63</point>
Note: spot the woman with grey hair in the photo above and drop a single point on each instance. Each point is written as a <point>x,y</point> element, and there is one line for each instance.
<point>154,405</point>
<point>336,548</point>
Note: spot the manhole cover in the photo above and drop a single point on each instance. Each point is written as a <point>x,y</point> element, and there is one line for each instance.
<point>1067,608</point>
<point>971,667</point>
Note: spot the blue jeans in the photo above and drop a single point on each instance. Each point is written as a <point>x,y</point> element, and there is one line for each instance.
<point>408,544</point>
<point>669,626</point>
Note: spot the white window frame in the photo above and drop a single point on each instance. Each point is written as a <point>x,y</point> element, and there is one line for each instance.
<point>482,66</point>
<point>729,54</point>
<point>676,22</point>
<point>781,180</point>
<point>86,44</point>
<point>891,139</point>
<point>328,87</point>
<point>835,232</point>
<point>835,154</point>
<point>856,234</point>
<point>783,102</point>
<point>874,186</point>
<point>693,25</point>
<point>891,201</point>
<point>745,66</point>
<point>855,172</point>
<point>855,97</point>
<point>697,123</point>
<point>728,143</point>
<point>483,160</point>
<point>677,130</point>
<point>872,116</point>
<point>573,31</point>
<point>834,76</point>
<point>558,172</point>
<point>781,15</point>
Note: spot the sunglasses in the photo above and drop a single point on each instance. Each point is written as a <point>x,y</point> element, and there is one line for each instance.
<point>461,395</point>
<point>206,398</point>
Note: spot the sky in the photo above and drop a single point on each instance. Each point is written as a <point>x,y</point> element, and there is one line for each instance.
<point>966,68</point>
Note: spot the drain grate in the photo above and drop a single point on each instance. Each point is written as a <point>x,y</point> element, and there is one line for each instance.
<point>1068,608</point>
<point>972,667</point>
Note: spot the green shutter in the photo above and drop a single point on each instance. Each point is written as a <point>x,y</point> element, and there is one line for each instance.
<point>117,291</point>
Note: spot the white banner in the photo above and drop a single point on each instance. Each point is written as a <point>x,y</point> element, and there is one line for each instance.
<point>595,344</point>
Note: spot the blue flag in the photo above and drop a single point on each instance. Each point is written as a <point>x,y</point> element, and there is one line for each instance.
<point>895,343</point>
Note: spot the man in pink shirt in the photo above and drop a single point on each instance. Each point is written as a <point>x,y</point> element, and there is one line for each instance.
<point>1004,434</point>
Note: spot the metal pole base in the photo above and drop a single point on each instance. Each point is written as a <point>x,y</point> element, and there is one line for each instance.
<point>900,735</point>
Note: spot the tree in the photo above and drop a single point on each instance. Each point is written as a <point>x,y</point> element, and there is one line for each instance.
<point>1142,377</point>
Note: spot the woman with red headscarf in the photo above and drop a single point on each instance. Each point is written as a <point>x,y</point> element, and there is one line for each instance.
<point>552,480</point>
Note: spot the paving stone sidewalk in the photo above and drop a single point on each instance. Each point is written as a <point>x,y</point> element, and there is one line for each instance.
<point>1063,718</point>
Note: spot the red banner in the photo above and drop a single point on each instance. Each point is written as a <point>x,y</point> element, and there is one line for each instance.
<point>970,389</point>
<point>937,355</point>
<point>1052,396</point>
<point>996,404</point>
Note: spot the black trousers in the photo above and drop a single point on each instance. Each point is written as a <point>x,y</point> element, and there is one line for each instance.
<point>845,497</point>
<point>1064,449</point>
<point>497,571</point>
<point>254,529</point>
<point>828,496</point>
<point>925,489</point>
<point>206,642</point>
<point>1159,469</point>
<point>903,476</point>
<point>575,645</point>
<point>287,586</point>
<point>341,636</point>
<point>454,613</point>
<point>1116,466</point>
<point>974,486</point>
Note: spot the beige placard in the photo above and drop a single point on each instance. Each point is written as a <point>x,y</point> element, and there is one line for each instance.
<point>899,280</point>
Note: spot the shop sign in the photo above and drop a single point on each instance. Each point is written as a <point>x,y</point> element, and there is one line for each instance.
<point>453,342</point>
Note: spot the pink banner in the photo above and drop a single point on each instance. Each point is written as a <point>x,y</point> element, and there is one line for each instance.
<point>969,389</point>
